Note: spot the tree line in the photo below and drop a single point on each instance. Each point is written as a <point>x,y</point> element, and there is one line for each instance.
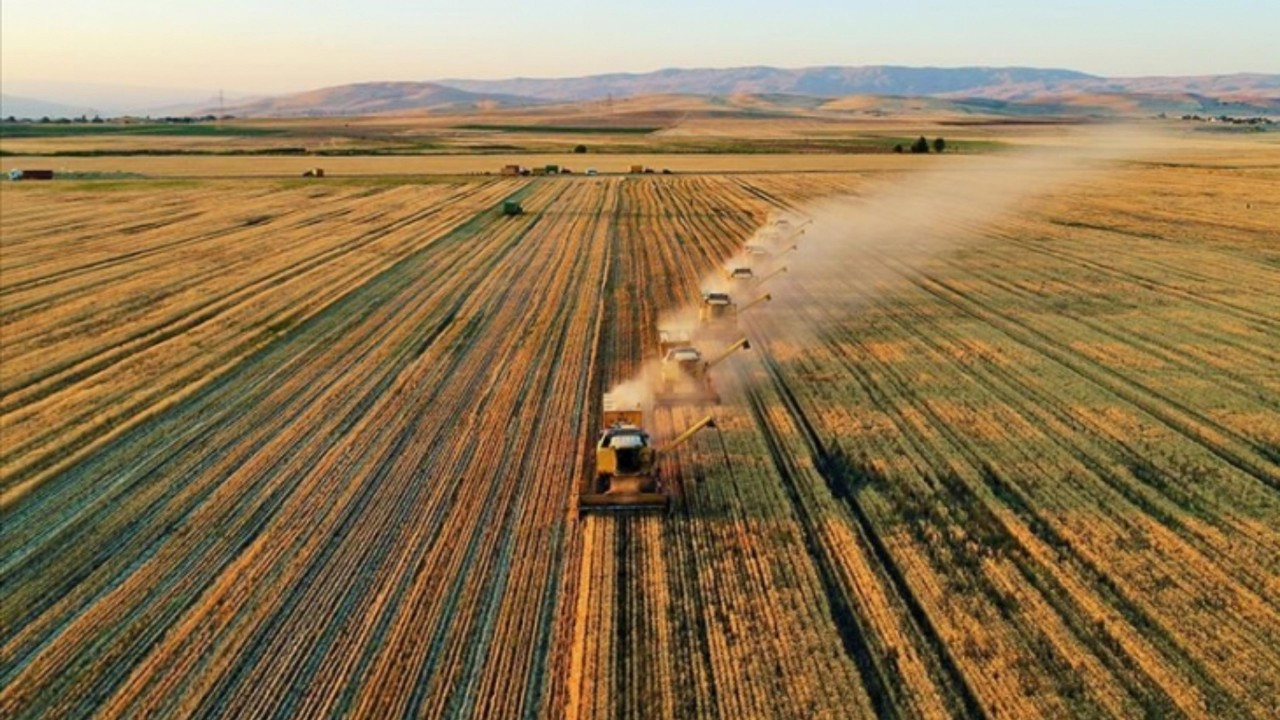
<point>921,145</point>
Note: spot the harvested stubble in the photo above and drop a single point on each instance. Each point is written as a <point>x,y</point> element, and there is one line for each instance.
<point>310,451</point>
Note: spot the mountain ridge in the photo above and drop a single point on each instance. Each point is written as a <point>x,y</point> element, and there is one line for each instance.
<point>821,80</point>
<point>1006,90</point>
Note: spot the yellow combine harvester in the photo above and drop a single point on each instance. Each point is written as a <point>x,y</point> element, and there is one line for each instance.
<point>718,315</point>
<point>627,475</point>
<point>686,376</point>
<point>669,340</point>
<point>717,312</point>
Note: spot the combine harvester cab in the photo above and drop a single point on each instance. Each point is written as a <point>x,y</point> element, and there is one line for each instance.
<point>742,276</point>
<point>626,476</point>
<point>686,376</point>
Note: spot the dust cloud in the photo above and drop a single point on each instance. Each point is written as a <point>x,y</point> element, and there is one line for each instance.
<point>852,248</point>
<point>857,246</point>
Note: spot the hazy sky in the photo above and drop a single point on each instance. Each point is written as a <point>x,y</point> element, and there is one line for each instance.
<point>283,45</point>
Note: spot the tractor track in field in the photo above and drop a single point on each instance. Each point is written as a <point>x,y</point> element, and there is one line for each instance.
<point>1271,323</point>
<point>837,483</point>
<point>878,679</point>
<point>1017,390</point>
<point>892,384</point>
<point>1177,415</point>
<point>1152,345</point>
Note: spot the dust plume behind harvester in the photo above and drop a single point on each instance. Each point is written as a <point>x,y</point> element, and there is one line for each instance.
<point>627,475</point>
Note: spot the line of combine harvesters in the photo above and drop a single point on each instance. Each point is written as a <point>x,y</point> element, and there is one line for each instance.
<point>627,475</point>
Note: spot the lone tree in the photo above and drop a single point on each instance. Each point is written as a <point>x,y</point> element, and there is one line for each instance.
<point>580,149</point>
<point>920,146</point>
<point>939,145</point>
<point>898,148</point>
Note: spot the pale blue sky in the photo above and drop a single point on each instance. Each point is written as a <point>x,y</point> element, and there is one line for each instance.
<point>283,45</point>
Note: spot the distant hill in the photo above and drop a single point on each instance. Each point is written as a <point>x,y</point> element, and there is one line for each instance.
<point>828,81</point>
<point>24,107</point>
<point>375,98</point>
<point>1241,86</point>
<point>999,91</point>
<point>878,89</point>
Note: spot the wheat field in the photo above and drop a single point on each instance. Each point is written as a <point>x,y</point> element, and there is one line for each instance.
<point>287,449</point>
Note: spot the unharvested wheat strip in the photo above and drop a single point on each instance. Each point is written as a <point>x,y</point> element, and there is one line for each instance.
<point>739,696</point>
<point>1221,580</point>
<point>1036,407</point>
<point>604,684</point>
<point>864,587</point>
<point>906,564</point>
<point>1237,380</point>
<point>838,679</point>
<point>1112,501</point>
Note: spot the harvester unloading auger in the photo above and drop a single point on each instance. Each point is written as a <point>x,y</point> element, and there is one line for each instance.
<point>627,475</point>
<point>686,376</point>
<point>773,274</point>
